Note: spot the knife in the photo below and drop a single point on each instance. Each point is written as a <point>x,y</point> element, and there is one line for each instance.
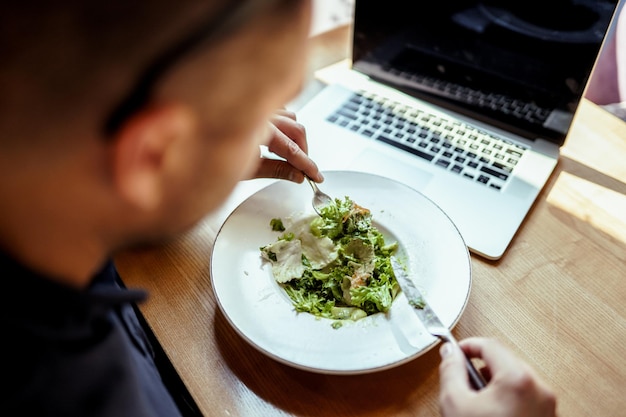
<point>430,320</point>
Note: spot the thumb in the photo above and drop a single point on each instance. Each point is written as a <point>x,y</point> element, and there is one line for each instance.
<point>272,168</point>
<point>452,370</point>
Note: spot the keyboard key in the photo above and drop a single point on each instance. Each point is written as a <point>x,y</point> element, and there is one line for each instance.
<point>407,148</point>
<point>502,167</point>
<point>494,173</point>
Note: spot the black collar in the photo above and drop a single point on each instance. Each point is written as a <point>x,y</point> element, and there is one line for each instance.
<point>29,297</point>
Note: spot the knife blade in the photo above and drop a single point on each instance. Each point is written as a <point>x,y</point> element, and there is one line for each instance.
<point>431,321</point>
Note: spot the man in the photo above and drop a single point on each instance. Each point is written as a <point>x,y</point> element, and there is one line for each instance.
<point>123,124</point>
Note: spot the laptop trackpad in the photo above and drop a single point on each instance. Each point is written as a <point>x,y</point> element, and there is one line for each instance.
<point>380,164</point>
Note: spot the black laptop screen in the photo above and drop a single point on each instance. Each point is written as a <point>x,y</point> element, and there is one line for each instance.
<point>520,65</point>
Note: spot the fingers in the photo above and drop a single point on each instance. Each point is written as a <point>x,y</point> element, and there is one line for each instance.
<point>497,358</point>
<point>452,370</point>
<point>285,122</point>
<point>288,140</point>
<point>272,168</point>
<point>514,389</point>
<point>489,350</point>
<point>508,370</point>
<point>455,391</point>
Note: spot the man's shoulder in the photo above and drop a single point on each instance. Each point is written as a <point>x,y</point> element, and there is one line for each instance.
<point>75,352</point>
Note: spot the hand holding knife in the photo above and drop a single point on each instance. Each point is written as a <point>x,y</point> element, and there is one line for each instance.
<point>430,320</point>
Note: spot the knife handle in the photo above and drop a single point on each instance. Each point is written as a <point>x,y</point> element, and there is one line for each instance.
<point>476,378</point>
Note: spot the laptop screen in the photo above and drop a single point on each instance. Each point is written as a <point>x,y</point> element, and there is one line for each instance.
<point>511,63</point>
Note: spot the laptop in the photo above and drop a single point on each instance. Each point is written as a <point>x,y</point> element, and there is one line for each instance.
<point>467,102</point>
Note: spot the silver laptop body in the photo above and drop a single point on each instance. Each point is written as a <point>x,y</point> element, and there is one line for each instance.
<point>450,103</point>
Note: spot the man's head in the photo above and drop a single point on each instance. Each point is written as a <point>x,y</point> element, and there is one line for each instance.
<point>93,53</point>
<point>80,165</point>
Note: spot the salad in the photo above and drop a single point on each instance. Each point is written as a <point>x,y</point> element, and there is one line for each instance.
<point>336,265</point>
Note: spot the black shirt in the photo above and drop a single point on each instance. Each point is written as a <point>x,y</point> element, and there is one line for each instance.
<point>68,353</point>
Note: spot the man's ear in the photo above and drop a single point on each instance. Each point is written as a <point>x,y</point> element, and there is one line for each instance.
<point>141,149</point>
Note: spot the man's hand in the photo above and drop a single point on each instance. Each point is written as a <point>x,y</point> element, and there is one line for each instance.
<point>513,390</point>
<point>288,140</point>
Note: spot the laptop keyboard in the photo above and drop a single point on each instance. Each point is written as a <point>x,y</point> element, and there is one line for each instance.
<point>449,144</point>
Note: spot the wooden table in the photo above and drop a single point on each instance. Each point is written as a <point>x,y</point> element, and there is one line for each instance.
<point>557,297</point>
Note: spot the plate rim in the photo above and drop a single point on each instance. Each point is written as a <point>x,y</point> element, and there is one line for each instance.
<point>328,371</point>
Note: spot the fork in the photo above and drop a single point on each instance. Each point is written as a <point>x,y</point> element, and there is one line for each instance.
<point>320,199</point>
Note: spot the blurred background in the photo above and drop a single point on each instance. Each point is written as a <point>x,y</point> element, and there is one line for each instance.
<point>329,14</point>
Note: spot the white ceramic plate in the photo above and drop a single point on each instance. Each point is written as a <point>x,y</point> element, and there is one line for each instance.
<point>261,312</point>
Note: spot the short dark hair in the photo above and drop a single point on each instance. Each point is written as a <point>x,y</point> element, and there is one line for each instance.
<point>84,52</point>
<point>211,28</point>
